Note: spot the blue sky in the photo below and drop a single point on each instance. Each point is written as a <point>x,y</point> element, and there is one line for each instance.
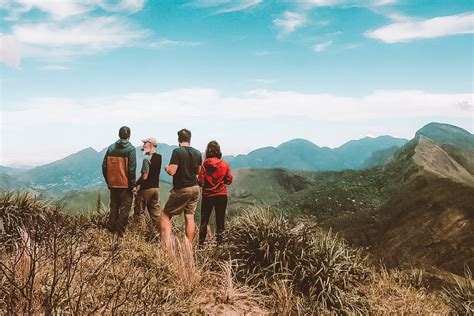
<point>248,73</point>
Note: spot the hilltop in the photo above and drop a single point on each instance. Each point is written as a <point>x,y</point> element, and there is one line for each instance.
<point>269,264</point>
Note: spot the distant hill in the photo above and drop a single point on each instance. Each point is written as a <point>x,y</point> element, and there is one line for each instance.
<point>380,157</point>
<point>79,171</point>
<point>300,154</point>
<point>82,170</point>
<point>447,134</point>
<point>12,170</point>
<point>9,182</point>
<point>416,210</point>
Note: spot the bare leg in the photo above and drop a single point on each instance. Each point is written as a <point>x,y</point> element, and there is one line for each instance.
<point>190,227</point>
<point>165,222</point>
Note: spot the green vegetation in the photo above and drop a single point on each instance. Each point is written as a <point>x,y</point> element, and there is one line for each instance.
<point>318,267</point>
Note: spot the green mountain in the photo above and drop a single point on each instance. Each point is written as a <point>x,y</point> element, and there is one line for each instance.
<point>380,157</point>
<point>300,154</point>
<point>447,134</point>
<point>356,153</point>
<point>82,170</point>
<point>414,211</point>
<point>7,170</point>
<point>79,171</point>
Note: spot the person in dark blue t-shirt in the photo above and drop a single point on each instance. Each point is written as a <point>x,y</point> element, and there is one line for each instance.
<point>184,166</point>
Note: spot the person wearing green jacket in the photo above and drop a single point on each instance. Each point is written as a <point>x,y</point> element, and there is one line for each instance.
<point>118,168</point>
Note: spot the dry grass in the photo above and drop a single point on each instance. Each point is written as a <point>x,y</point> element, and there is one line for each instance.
<point>460,296</point>
<point>55,263</point>
<point>391,292</point>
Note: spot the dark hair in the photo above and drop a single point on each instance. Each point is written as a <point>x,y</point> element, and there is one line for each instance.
<point>184,135</point>
<point>213,150</point>
<point>124,132</point>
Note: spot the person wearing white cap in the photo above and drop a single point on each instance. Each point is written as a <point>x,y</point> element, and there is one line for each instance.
<point>148,195</point>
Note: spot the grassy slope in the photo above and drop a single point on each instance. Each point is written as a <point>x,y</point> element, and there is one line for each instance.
<point>82,268</point>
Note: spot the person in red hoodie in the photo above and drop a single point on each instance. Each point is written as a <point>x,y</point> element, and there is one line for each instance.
<point>213,178</point>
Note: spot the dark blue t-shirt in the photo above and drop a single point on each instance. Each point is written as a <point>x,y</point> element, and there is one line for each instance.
<point>188,160</point>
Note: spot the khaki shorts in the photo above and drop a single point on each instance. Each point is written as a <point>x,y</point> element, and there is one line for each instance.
<point>182,200</point>
<point>148,199</point>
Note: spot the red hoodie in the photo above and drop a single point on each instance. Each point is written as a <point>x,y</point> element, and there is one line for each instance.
<point>213,177</point>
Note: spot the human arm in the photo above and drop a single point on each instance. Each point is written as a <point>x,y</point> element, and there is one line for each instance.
<point>201,173</point>
<point>228,176</point>
<point>144,172</point>
<point>132,166</point>
<point>174,162</point>
<point>171,169</point>
<point>104,166</point>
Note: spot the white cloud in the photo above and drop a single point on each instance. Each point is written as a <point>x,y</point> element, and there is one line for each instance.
<point>63,40</point>
<point>167,42</point>
<point>290,22</point>
<point>9,51</point>
<point>240,121</point>
<point>383,2</point>
<point>323,3</point>
<point>97,33</point>
<point>130,6</point>
<point>70,28</point>
<point>254,104</point>
<point>63,9</point>
<point>406,31</point>
<point>56,9</point>
<point>322,46</point>
<point>225,6</point>
<point>346,3</point>
<point>240,5</point>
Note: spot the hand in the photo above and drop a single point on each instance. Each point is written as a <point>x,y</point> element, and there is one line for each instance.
<point>166,168</point>
<point>134,190</point>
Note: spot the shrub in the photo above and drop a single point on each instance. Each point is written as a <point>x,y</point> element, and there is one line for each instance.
<point>271,248</point>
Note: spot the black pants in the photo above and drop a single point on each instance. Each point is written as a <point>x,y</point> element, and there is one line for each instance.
<point>219,202</point>
<point>120,205</point>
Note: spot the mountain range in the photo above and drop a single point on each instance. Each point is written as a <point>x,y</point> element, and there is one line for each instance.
<point>409,203</point>
<point>82,170</point>
<point>415,210</point>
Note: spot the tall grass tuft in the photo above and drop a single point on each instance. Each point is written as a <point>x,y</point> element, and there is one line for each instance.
<point>460,297</point>
<point>271,248</point>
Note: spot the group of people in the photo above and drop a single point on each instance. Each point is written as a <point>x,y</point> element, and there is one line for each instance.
<point>189,173</point>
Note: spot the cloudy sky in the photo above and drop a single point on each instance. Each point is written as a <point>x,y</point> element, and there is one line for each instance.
<point>247,73</point>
